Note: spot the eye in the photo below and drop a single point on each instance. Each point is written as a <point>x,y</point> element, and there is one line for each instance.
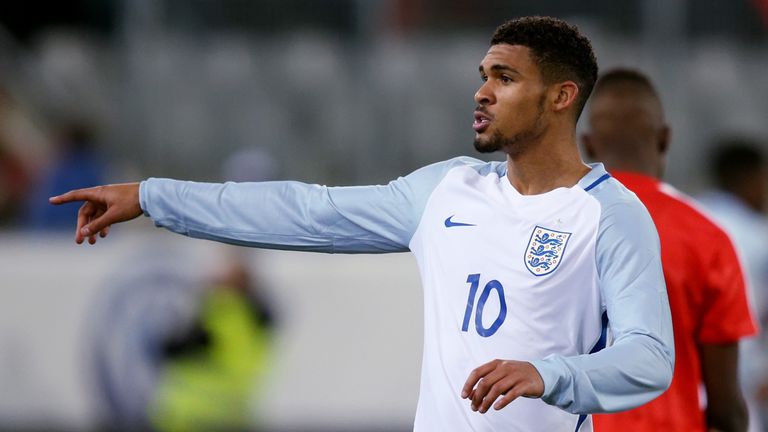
<point>506,79</point>
<point>483,78</point>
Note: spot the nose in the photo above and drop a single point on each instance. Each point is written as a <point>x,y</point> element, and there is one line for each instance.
<point>484,95</point>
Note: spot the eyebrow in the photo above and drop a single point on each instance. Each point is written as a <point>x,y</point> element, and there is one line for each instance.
<point>500,68</point>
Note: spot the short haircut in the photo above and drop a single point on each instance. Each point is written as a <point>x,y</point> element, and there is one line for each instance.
<point>625,76</point>
<point>558,48</point>
<point>735,159</point>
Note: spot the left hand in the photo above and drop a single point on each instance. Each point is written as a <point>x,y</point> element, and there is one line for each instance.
<point>509,378</point>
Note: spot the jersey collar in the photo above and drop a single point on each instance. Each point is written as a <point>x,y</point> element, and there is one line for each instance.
<point>594,177</point>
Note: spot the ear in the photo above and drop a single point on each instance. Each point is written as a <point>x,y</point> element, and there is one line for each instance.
<point>664,138</point>
<point>565,95</point>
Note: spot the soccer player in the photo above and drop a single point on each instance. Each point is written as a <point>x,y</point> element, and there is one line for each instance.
<point>704,279</point>
<point>524,262</point>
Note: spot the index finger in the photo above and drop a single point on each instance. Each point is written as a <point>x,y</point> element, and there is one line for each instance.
<point>475,376</point>
<point>73,195</point>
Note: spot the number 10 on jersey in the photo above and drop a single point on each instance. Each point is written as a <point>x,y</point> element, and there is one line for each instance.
<point>493,285</point>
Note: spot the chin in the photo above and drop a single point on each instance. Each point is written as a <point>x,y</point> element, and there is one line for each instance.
<point>487,145</point>
<point>485,148</point>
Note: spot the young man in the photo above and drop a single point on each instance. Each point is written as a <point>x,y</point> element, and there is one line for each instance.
<point>739,171</point>
<point>704,279</point>
<point>523,263</point>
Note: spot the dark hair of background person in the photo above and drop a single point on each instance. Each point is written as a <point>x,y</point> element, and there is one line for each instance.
<point>627,127</point>
<point>738,165</point>
<point>734,160</point>
<point>558,48</point>
<point>625,76</point>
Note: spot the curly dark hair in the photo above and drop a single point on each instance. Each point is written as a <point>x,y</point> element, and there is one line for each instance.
<point>558,48</point>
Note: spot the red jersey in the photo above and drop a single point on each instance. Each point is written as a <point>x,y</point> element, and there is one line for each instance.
<point>708,299</point>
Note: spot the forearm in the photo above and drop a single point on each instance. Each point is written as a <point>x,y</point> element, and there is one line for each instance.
<point>735,419</point>
<point>262,215</point>
<point>628,374</point>
<point>726,409</point>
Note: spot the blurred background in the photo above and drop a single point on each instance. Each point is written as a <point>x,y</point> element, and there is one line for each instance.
<point>148,330</point>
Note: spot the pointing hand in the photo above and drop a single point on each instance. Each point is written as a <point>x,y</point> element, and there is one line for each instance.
<point>103,206</point>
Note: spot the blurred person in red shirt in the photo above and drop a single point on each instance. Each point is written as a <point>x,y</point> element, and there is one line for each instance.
<point>15,174</point>
<point>705,281</point>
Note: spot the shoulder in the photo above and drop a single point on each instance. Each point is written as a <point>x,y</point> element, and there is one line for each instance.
<point>618,203</point>
<point>461,164</point>
<point>626,233</point>
<point>682,209</point>
<point>472,164</point>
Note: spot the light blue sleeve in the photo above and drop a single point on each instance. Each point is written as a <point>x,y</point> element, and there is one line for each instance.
<point>297,216</point>
<point>638,366</point>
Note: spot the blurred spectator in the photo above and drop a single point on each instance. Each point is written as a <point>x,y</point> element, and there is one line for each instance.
<point>212,373</point>
<point>13,185</point>
<point>20,147</point>
<point>173,350</point>
<point>147,301</point>
<point>762,9</point>
<point>76,164</point>
<point>738,201</point>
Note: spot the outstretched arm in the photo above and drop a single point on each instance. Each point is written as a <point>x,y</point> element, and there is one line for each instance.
<point>103,207</point>
<point>275,215</point>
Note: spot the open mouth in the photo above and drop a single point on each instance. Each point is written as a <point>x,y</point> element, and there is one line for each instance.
<point>481,123</point>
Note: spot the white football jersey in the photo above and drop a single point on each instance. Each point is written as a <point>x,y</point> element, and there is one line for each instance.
<point>539,278</point>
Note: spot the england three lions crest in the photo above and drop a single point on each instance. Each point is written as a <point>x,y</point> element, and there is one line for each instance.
<point>545,250</point>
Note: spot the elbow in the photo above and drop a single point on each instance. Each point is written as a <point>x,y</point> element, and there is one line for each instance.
<point>655,368</point>
<point>736,418</point>
<point>665,368</point>
<point>665,377</point>
<point>669,370</point>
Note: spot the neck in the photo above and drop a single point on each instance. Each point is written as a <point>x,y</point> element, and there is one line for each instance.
<point>634,163</point>
<point>549,163</point>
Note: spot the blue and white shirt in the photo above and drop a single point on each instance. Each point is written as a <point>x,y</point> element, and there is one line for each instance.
<point>505,275</point>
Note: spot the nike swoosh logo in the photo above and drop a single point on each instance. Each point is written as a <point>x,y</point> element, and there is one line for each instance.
<point>449,223</point>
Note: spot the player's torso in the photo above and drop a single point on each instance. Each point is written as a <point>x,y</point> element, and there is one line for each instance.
<point>505,276</point>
